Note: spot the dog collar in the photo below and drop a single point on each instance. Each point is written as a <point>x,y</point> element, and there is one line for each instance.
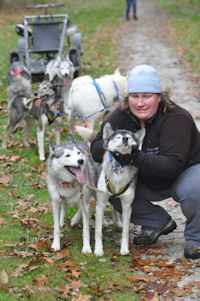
<point>116,164</point>
<point>65,185</point>
<point>111,189</point>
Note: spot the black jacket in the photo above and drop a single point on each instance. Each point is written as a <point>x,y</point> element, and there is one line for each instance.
<point>171,144</point>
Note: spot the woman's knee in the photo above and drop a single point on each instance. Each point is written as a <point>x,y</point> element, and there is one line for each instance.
<point>187,185</point>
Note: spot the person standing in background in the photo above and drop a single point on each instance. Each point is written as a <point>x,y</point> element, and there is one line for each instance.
<point>128,6</point>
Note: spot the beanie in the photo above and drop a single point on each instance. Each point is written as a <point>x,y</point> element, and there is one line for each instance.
<point>144,78</point>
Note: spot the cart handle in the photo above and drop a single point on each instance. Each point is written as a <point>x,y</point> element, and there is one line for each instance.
<point>45,6</point>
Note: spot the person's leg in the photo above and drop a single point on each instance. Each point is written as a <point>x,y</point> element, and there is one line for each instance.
<point>145,213</point>
<point>134,10</point>
<point>154,219</point>
<point>186,191</point>
<point>128,3</point>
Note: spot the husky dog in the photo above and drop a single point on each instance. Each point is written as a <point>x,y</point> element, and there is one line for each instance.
<point>19,82</point>
<point>93,98</point>
<point>70,169</point>
<point>61,73</point>
<point>41,108</point>
<point>119,180</point>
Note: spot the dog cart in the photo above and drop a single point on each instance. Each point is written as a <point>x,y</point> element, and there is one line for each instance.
<point>44,37</point>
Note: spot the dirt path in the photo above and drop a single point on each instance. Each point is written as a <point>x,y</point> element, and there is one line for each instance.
<point>150,41</point>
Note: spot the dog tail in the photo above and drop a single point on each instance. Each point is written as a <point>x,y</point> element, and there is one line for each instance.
<point>86,133</point>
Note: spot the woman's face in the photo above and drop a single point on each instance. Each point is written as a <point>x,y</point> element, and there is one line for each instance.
<point>143,105</point>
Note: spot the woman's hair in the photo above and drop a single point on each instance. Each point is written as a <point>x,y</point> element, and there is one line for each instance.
<point>165,104</point>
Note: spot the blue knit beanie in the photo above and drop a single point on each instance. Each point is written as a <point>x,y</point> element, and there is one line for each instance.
<point>144,78</point>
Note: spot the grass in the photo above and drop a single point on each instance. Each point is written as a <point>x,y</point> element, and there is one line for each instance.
<point>186,22</point>
<point>28,268</point>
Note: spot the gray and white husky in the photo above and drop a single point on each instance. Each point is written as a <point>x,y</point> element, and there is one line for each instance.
<point>19,81</point>
<point>42,108</point>
<point>70,170</point>
<point>118,180</point>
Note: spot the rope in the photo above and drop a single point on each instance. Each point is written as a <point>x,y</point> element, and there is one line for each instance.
<point>82,116</point>
<point>82,203</point>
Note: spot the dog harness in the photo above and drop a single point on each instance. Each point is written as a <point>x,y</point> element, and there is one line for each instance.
<point>101,95</point>
<point>111,189</point>
<point>109,185</point>
<point>51,111</point>
<point>17,72</point>
<point>29,102</point>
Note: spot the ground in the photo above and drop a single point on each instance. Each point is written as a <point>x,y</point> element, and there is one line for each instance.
<point>150,40</point>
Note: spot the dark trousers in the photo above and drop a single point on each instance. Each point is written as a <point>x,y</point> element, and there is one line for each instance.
<point>128,6</point>
<point>185,190</point>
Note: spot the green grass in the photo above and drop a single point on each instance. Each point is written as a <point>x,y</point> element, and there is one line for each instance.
<point>24,200</point>
<point>186,22</point>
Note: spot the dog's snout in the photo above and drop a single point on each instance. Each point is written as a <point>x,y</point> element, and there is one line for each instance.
<point>80,161</point>
<point>125,139</point>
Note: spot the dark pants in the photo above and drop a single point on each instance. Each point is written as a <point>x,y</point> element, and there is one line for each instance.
<point>185,190</point>
<point>128,6</point>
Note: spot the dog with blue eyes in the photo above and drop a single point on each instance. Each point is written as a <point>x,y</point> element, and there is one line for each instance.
<point>70,170</point>
<point>117,180</point>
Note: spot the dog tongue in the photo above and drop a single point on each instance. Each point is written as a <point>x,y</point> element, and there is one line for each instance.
<point>79,175</point>
<point>66,81</point>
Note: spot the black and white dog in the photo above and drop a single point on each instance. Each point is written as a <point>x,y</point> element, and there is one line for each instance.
<point>70,171</point>
<point>44,108</point>
<point>117,180</point>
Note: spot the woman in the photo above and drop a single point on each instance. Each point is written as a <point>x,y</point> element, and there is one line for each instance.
<point>168,162</point>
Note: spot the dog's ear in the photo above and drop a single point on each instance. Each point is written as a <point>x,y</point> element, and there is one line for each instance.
<point>127,75</point>
<point>69,60</point>
<point>57,62</point>
<point>55,80</point>
<point>51,147</point>
<point>46,77</point>
<point>70,137</point>
<point>139,136</point>
<point>117,71</point>
<point>107,130</point>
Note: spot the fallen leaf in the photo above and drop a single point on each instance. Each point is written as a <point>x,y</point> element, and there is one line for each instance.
<point>4,277</point>
<point>3,221</point>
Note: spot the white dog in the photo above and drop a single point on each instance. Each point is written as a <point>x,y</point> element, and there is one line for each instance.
<point>93,98</point>
<point>70,170</point>
<point>118,180</point>
<point>61,73</point>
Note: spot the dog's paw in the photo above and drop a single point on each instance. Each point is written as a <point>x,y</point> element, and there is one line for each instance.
<point>98,252</point>
<point>26,144</point>
<point>118,225</point>
<point>106,223</point>
<point>62,224</point>
<point>86,250</point>
<point>42,158</point>
<point>124,251</point>
<point>56,245</point>
<point>75,219</point>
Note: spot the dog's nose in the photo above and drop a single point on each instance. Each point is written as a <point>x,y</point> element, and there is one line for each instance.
<point>80,161</point>
<point>125,139</point>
